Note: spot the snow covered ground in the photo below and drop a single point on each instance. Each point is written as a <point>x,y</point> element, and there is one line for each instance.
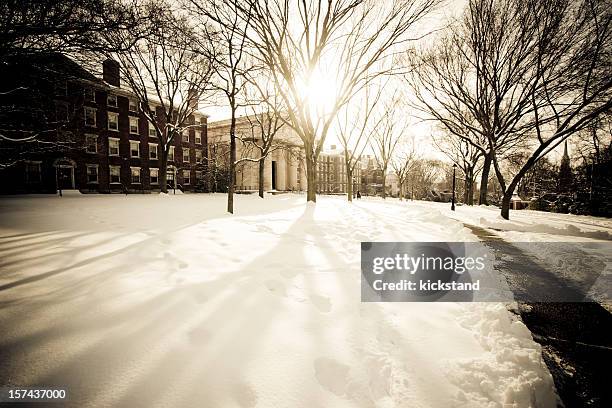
<point>166,301</point>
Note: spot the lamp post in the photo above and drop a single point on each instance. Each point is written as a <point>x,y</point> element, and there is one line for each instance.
<point>453,199</point>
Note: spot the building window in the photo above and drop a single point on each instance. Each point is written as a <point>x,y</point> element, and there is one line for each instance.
<point>199,175</point>
<point>154,176</point>
<point>115,174</point>
<point>91,143</point>
<point>61,88</point>
<point>186,155</point>
<point>113,121</point>
<point>185,135</point>
<point>134,148</point>
<point>198,137</point>
<point>90,117</point>
<point>33,172</point>
<point>113,146</point>
<point>152,131</point>
<point>111,100</point>
<point>153,151</point>
<point>170,176</point>
<point>171,154</point>
<point>92,173</point>
<point>61,113</point>
<point>198,156</point>
<point>135,175</point>
<point>153,110</point>
<point>133,106</point>
<point>89,94</point>
<point>186,176</point>
<point>134,125</point>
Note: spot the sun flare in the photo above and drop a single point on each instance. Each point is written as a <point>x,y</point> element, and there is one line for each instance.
<point>319,93</point>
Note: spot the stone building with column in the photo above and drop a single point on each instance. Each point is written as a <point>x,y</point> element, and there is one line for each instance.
<point>284,166</point>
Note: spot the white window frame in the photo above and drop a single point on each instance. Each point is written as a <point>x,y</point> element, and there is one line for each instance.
<point>95,143</point>
<point>153,148</point>
<point>185,135</point>
<point>113,139</point>
<point>93,94</point>
<point>186,150</point>
<point>171,153</point>
<point>186,180</point>
<point>110,174</point>
<point>39,171</point>
<point>132,175</point>
<point>95,113</point>
<point>116,116</point>
<point>156,171</point>
<point>133,105</point>
<point>199,175</point>
<point>92,166</point>
<point>133,118</point>
<point>151,130</point>
<point>137,143</point>
<point>198,137</point>
<point>110,97</point>
<point>198,156</point>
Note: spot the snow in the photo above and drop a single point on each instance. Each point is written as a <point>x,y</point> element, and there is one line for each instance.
<point>166,301</point>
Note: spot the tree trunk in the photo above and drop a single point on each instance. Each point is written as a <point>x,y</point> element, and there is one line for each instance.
<point>484,180</point>
<point>505,209</point>
<point>163,173</point>
<point>262,164</point>
<point>384,184</point>
<point>349,184</point>
<point>311,175</point>
<point>232,163</point>
<point>466,190</point>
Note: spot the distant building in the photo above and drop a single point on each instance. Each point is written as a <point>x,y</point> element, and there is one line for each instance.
<point>371,176</point>
<point>566,179</point>
<point>332,175</point>
<point>92,137</point>
<point>284,167</point>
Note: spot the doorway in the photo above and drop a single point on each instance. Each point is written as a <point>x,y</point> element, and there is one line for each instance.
<point>65,177</point>
<point>273,175</point>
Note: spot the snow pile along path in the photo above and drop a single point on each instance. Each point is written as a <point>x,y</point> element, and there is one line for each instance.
<point>147,301</point>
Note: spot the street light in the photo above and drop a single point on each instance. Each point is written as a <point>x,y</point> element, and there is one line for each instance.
<point>453,200</point>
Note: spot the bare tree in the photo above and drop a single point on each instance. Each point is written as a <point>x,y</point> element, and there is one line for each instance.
<point>354,125</point>
<point>466,156</point>
<point>402,164</point>
<point>518,74</point>
<point>169,74</point>
<point>65,26</point>
<point>349,42</point>
<point>265,121</point>
<point>225,30</point>
<point>386,136</point>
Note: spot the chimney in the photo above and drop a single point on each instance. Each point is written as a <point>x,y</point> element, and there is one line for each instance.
<point>192,96</point>
<point>110,72</point>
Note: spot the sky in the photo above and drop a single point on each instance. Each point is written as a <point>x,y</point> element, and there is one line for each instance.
<point>418,130</point>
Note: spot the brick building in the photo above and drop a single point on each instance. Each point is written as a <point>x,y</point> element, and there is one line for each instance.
<point>332,174</point>
<point>91,133</point>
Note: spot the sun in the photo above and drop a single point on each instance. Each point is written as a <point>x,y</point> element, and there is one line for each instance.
<point>319,92</point>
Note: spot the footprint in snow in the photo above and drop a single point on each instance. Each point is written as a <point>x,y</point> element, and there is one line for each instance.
<point>275,286</point>
<point>332,375</point>
<point>321,302</point>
